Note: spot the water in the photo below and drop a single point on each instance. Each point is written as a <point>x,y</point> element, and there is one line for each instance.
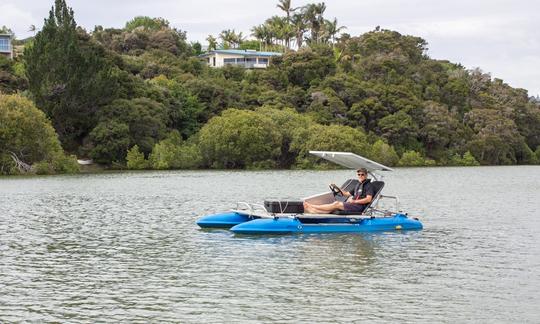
<point>125,247</point>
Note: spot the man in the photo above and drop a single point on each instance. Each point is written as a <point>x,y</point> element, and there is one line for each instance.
<point>357,200</point>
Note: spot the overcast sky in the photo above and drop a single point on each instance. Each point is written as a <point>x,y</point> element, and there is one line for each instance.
<point>501,37</point>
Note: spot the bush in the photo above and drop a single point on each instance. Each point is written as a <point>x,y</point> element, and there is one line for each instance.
<point>328,138</point>
<point>412,158</point>
<point>27,133</point>
<point>383,153</point>
<point>466,160</point>
<point>135,159</point>
<point>173,153</point>
<point>238,139</point>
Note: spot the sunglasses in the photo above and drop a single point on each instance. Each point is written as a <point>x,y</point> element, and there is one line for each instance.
<point>361,174</point>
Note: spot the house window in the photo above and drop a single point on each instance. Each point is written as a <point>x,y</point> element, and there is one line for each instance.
<point>4,45</point>
<point>240,60</point>
<point>229,61</point>
<point>251,60</point>
<point>263,60</point>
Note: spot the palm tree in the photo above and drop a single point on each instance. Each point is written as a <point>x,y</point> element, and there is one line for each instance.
<point>227,37</point>
<point>314,15</point>
<point>238,38</point>
<point>212,42</point>
<point>262,34</point>
<point>285,5</point>
<point>277,27</point>
<point>32,29</point>
<point>298,22</point>
<point>332,29</point>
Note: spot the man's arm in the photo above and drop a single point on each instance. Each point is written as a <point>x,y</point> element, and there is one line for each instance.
<point>362,201</point>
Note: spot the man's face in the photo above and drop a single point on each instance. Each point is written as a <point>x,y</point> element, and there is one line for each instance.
<point>361,175</point>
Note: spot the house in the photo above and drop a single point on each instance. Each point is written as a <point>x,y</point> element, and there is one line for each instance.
<point>249,59</point>
<point>5,45</point>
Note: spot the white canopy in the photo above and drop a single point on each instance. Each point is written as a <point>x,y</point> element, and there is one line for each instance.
<point>351,160</point>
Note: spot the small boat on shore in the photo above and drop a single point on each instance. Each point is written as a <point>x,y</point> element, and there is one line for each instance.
<point>289,217</point>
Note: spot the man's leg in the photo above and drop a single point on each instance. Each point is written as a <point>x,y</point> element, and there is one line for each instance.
<point>323,209</point>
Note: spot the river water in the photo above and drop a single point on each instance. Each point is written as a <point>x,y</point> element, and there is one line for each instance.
<point>125,247</point>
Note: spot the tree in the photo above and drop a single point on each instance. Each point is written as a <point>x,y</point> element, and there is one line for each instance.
<point>135,159</point>
<point>238,139</point>
<point>11,80</point>
<point>383,153</point>
<point>147,23</point>
<point>27,138</point>
<point>413,158</point>
<point>173,153</point>
<point>125,123</point>
<point>332,29</point>
<point>285,5</point>
<point>328,138</point>
<point>313,13</point>
<point>299,25</point>
<point>68,75</point>
<point>212,42</point>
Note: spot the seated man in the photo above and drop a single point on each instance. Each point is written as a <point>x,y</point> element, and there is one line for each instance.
<point>356,202</point>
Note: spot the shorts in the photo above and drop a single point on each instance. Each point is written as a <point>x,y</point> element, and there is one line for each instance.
<point>353,207</point>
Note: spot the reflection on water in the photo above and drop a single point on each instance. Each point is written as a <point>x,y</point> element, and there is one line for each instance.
<point>125,247</point>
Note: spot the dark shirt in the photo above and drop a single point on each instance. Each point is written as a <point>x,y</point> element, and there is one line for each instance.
<point>362,190</point>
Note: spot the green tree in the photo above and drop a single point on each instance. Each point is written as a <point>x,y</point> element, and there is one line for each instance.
<point>291,126</point>
<point>135,159</point>
<point>183,108</point>
<point>125,123</point>
<point>68,75</point>
<point>239,139</point>
<point>466,160</point>
<point>27,136</point>
<point>11,80</point>
<point>328,138</point>
<point>412,158</point>
<point>399,129</point>
<point>147,23</point>
<point>173,153</point>
<point>212,42</point>
<point>383,153</point>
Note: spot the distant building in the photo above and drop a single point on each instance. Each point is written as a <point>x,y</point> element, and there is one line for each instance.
<point>249,59</point>
<point>5,45</point>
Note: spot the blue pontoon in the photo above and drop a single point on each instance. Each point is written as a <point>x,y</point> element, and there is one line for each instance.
<point>288,217</point>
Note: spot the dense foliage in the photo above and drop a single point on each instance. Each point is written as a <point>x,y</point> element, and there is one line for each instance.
<point>140,97</point>
<point>27,136</point>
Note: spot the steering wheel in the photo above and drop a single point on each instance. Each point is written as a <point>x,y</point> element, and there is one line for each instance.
<point>336,191</point>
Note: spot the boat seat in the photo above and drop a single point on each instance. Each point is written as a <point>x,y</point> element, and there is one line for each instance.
<point>377,188</point>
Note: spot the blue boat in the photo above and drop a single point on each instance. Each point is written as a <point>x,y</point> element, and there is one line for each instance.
<point>288,217</point>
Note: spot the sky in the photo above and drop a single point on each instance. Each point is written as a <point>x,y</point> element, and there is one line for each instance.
<point>501,37</point>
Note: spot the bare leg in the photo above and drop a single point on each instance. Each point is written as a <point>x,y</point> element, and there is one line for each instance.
<point>323,209</point>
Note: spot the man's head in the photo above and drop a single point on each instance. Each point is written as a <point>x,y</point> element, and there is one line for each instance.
<point>362,173</point>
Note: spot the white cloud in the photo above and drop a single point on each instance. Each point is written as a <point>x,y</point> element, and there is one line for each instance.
<point>15,18</point>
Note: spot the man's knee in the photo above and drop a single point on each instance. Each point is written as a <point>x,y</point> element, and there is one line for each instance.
<point>338,204</point>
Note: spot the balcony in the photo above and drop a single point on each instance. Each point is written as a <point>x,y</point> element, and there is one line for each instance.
<point>247,62</point>
<point>248,65</point>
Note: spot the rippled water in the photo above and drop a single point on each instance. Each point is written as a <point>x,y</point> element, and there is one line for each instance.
<point>125,247</point>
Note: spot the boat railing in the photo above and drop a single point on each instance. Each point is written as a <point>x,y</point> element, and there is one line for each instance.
<point>252,209</point>
<point>381,197</point>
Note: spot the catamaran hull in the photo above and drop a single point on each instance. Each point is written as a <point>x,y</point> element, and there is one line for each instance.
<point>223,220</point>
<point>294,225</point>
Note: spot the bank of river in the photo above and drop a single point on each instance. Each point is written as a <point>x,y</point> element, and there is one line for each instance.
<point>125,247</point>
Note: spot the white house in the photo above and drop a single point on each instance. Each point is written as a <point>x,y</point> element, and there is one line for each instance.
<point>5,45</point>
<point>249,59</point>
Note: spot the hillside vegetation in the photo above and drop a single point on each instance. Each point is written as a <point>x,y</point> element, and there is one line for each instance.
<point>139,97</point>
